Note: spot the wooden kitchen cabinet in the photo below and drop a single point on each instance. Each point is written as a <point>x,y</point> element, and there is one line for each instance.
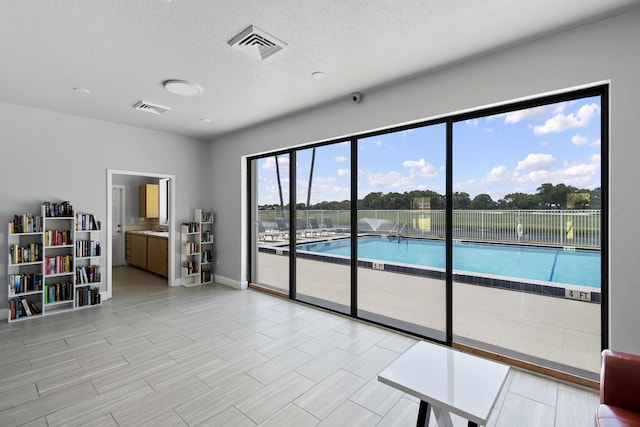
<point>157,255</point>
<point>139,250</point>
<point>150,201</point>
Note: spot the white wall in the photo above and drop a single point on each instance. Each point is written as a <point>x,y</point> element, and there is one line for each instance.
<point>593,53</point>
<point>49,156</point>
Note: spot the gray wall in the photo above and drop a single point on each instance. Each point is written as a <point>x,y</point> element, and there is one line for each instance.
<point>49,156</point>
<point>593,53</point>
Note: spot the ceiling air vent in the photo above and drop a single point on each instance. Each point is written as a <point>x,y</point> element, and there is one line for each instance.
<point>257,43</point>
<point>150,108</point>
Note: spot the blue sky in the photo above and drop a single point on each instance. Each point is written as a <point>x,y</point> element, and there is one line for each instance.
<point>497,155</point>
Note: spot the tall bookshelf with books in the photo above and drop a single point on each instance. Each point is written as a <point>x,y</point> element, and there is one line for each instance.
<point>197,250</point>
<point>88,277</point>
<point>25,237</point>
<point>53,262</point>
<point>190,253</point>
<point>207,220</point>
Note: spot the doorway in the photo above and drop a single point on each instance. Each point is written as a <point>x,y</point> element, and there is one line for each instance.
<point>116,217</point>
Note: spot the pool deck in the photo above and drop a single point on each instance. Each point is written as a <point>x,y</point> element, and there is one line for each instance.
<point>563,331</point>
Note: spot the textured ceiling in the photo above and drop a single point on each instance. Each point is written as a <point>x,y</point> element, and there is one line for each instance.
<point>122,51</point>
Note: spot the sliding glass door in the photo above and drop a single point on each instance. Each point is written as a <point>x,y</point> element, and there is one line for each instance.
<point>270,213</point>
<point>484,230</point>
<point>401,230</point>
<point>323,182</point>
<point>526,231</point>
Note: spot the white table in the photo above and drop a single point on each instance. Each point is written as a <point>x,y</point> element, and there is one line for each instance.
<point>448,381</point>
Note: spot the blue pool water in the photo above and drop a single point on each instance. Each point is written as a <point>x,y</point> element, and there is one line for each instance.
<point>526,262</point>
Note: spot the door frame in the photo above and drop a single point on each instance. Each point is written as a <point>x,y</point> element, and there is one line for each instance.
<point>172,281</point>
<point>123,189</point>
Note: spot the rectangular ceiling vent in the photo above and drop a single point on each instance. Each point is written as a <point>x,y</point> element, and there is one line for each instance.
<point>257,43</point>
<point>150,108</point>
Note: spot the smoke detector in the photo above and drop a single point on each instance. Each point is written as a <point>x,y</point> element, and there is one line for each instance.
<point>150,108</point>
<point>257,43</point>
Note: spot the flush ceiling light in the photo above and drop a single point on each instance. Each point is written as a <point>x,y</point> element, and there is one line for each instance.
<point>182,87</point>
<point>81,90</point>
<point>317,75</point>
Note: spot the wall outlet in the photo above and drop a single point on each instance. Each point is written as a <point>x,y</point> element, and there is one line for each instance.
<point>377,266</point>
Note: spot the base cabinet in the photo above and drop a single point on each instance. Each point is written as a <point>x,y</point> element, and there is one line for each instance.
<point>157,255</point>
<point>139,251</point>
<point>148,253</point>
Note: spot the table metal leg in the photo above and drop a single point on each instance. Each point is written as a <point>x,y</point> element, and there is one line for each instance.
<point>423,414</point>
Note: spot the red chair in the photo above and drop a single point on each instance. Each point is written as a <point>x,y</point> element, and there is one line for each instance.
<point>619,390</point>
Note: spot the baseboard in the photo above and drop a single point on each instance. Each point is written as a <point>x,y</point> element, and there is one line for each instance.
<point>230,282</point>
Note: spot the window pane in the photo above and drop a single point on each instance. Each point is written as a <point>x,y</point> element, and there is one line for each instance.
<point>271,236</point>
<point>401,230</point>
<point>323,203</point>
<point>526,221</point>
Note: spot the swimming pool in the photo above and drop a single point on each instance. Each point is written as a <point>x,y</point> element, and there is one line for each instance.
<point>556,265</point>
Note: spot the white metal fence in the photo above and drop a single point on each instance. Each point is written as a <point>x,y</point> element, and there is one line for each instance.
<point>578,228</point>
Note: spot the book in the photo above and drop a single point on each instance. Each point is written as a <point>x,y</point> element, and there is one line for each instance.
<point>25,306</point>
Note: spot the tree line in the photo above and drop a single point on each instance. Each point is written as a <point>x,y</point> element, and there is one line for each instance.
<point>547,196</point>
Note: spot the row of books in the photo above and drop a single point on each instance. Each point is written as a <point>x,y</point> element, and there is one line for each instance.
<point>190,267</point>
<point>87,222</point>
<point>191,248</point>
<point>58,265</point>
<point>205,275</point>
<point>58,292</point>
<point>90,274</point>
<point>22,307</point>
<point>58,238</point>
<point>191,227</point>
<point>63,209</point>
<point>19,283</point>
<point>25,223</point>
<point>207,236</point>
<point>31,252</point>
<point>87,248</point>
<point>207,256</point>
<point>207,217</point>
<point>87,296</point>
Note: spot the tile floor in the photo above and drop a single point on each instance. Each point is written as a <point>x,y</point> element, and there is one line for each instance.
<point>214,356</point>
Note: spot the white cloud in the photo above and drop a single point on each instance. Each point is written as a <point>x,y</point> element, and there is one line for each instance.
<point>378,142</point>
<point>595,158</point>
<point>323,180</point>
<point>579,140</point>
<point>498,173</point>
<point>578,170</point>
<point>414,163</point>
<point>528,114</point>
<point>391,179</point>
<point>561,122</point>
<point>421,167</point>
<point>596,143</point>
<point>341,159</point>
<point>344,172</point>
<point>537,161</point>
<point>270,164</point>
